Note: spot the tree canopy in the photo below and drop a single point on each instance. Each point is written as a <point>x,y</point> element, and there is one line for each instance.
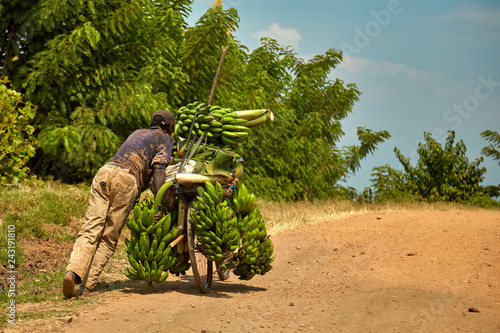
<point>96,70</point>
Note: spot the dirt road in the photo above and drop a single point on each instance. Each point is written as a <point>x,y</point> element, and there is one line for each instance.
<point>383,272</point>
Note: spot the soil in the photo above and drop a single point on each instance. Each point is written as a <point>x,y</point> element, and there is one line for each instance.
<point>414,271</point>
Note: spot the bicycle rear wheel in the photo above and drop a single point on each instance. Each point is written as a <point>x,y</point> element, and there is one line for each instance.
<point>202,267</point>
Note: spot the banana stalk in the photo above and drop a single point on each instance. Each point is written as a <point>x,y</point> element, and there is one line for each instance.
<point>159,195</point>
<point>187,178</point>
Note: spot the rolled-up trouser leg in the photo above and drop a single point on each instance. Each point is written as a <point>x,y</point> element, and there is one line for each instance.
<point>123,192</point>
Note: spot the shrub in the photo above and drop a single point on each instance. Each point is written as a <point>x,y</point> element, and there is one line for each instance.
<point>17,143</point>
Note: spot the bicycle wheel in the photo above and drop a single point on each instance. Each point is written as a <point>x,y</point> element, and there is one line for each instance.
<point>222,273</point>
<point>200,265</point>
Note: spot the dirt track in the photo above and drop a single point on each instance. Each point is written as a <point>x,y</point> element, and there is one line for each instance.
<point>383,272</point>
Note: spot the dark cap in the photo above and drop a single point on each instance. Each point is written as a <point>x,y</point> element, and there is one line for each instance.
<point>162,117</point>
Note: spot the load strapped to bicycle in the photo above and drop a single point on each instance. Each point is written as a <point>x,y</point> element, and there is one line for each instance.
<point>210,217</point>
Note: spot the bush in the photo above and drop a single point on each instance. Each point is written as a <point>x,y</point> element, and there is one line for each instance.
<point>17,143</point>
<point>440,174</point>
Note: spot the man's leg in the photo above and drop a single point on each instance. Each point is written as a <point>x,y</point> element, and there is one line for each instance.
<point>123,192</point>
<point>92,227</point>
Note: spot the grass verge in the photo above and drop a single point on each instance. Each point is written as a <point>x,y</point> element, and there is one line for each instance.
<point>286,216</point>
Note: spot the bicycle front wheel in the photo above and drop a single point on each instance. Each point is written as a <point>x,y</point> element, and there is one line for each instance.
<point>202,267</point>
<point>222,273</point>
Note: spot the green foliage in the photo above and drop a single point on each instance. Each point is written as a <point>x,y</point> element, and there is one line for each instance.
<point>17,142</point>
<point>441,174</point>
<point>296,156</point>
<point>493,150</point>
<point>99,74</point>
<point>201,52</point>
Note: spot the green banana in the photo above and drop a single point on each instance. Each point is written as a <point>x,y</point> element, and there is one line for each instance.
<point>215,124</point>
<point>132,224</point>
<point>147,270</point>
<point>136,253</point>
<point>152,228</point>
<point>159,252</point>
<point>158,232</point>
<point>239,121</point>
<point>151,256</point>
<point>132,275</point>
<point>165,256</point>
<point>137,212</point>
<point>133,262</point>
<point>162,278</point>
<point>170,236</point>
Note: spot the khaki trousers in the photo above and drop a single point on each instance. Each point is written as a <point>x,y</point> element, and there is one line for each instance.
<point>112,196</point>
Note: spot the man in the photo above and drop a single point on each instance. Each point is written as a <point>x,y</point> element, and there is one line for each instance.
<point>115,188</point>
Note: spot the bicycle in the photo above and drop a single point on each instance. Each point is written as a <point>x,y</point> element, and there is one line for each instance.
<point>201,267</point>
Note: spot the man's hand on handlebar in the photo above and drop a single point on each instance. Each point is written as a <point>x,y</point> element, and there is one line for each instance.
<point>158,216</point>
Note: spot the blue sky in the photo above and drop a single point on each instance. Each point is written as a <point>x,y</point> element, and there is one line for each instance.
<point>422,66</point>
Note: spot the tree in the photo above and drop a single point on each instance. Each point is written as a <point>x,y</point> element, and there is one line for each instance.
<point>95,69</point>
<point>296,156</point>
<point>493,150</point>
<point>440,174</point>
<point>17,143</point>
<point>200,54</point>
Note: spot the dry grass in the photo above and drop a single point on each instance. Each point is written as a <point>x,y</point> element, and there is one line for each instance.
<point>285,216</point>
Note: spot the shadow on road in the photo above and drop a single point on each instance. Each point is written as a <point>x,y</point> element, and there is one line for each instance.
<point>184,284</point>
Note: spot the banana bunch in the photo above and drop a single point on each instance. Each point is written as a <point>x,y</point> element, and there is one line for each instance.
<point>149,254</point>
<point>261,265</point>
<point>242,201</point>
<point>224,128</point>
<point>237,241</point>
<point>181,263</point>
<point>256,250</point>
<point>214,223</point>
<point>255,255</point>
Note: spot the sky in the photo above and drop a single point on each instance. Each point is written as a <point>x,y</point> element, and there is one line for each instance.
<point>421,66</point>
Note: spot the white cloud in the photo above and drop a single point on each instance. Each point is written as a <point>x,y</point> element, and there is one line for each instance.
<point>473,23</point>
<point>394,69</point>
<point>358,65</point>
<point>354,64</point>
<point>475,14</point>
<point>285,36</point>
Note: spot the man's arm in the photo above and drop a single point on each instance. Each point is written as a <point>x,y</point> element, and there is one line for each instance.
<point>158,179</point>
<point>161,161</point>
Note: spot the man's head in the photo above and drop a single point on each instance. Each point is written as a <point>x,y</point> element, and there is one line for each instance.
<point>163,119</point>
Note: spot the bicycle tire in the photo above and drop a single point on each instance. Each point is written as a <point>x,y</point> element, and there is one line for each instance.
<point>223,274</point>
<point>201,267</point>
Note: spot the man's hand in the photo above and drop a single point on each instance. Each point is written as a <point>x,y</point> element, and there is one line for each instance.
<point>158,216</point>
